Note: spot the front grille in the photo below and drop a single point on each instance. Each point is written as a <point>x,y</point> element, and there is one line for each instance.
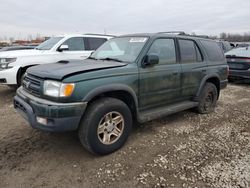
<point>32,84</point>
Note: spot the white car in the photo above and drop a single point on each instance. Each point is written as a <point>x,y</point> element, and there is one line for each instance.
<point>13,64</point>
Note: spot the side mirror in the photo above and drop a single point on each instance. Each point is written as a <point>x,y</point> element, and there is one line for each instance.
<point>63,47</point>
<point>151,59</point>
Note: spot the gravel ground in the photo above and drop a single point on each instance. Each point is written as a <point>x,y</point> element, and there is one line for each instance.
<point>181,150</point>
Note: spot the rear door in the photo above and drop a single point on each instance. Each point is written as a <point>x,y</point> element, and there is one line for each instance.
<point>160,84</point>
<point>193,67</point>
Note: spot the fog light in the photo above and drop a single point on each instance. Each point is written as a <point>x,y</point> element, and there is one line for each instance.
<point>41,120</point>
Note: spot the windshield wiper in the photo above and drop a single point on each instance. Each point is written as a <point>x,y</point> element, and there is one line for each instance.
<point>111,59</point>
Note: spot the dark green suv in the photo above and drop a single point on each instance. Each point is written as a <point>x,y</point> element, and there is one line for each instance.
<point>130,78</point>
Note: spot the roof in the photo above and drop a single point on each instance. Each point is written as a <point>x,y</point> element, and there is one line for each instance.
<point>84,35</point>
<point>164,34</point>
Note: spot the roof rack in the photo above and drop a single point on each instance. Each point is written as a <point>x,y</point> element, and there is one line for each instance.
<point>183,33</point>
<point>174,32</point>
<point>201,36</point>
<point>99,34</point>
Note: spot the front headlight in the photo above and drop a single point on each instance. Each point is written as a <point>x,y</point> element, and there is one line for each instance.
<point>5,62</point>
<point>58,89</point>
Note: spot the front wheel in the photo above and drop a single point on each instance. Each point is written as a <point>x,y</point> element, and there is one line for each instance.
<point>207,99</point>
<point>106,126</point>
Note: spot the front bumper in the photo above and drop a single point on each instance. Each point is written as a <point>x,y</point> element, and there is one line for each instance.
<point>60,116</point>
<point>239,73</point>
<point>8,76</point>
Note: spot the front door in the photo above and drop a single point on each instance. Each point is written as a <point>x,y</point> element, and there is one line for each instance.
<point>160,84</point>
<point>77,49</point>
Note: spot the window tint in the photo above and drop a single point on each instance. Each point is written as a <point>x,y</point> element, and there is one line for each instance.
<point>75,44</point>
<point>190,53</point>
<point>165,49</point>
<point>94,43</point>
<point>213,50</point>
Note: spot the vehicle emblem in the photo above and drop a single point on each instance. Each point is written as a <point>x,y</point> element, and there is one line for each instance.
<point>233,60</point>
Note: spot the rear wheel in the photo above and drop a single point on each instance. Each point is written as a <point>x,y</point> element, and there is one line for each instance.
<point>207,99</point>
<point>106,126</point>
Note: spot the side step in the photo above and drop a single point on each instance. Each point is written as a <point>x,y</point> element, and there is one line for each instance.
<point>164,111</point>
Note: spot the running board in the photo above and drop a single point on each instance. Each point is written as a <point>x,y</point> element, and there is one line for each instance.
<point>164,111</point>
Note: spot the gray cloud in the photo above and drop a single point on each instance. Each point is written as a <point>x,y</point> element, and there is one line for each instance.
<point>20,18</point>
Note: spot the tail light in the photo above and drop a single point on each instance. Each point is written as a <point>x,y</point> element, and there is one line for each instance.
<point>235,58</point>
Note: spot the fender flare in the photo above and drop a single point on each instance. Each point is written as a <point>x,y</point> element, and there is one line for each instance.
<point>203,81</point>
<point>109,88</point>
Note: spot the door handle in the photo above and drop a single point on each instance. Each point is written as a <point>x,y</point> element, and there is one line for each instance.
<point>204,70</point>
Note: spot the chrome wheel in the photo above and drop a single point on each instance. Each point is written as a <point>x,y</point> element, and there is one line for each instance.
<point>110,128</point>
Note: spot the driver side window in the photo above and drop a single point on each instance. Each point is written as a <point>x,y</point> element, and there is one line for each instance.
<point>165,50</point>
<point>75,44</point>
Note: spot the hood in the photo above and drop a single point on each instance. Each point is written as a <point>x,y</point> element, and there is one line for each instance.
<point>62,69</point>
<point>20,53</point>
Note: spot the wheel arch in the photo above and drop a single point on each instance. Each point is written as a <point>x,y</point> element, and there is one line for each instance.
<point>118,91</point>
<point>215,79</point>
<point>21,71</point>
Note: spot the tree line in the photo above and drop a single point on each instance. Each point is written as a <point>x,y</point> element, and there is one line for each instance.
<point>235,37</point>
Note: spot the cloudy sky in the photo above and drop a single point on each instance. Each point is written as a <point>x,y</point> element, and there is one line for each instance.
<point>19,18</point>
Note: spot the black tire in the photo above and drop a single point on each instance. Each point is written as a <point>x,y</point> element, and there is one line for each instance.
<point>20,78</point>
<point>207,99</point>
<point>89,124</point>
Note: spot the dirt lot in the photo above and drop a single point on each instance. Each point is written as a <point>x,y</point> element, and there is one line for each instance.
<point>182,150</point>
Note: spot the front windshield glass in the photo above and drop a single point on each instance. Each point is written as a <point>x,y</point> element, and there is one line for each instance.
<point>122,49</point>
<point>48,44</point>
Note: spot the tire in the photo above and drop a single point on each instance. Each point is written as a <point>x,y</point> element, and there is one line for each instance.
<point>20,79</point>
<point>97,134</point>
<point>208,99</point>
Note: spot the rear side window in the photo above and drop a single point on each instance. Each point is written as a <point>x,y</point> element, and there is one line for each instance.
<point>190,53</point>
<point>213,50</point>
<point>75,44</point>
<point>94,43</point>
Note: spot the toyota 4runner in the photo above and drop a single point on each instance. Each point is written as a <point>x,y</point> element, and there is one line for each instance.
<point>130,78</point>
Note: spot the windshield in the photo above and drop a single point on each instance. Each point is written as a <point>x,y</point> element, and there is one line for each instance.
<point>48,44</point>
<point>121,49</point>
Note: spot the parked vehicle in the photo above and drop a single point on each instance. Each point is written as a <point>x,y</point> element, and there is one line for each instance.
<point>130,78</point>
<point>238,60</point>
<point>225,45</point>
<point>242,45</point>
<point>13,64</point>
<point>11,48</point>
